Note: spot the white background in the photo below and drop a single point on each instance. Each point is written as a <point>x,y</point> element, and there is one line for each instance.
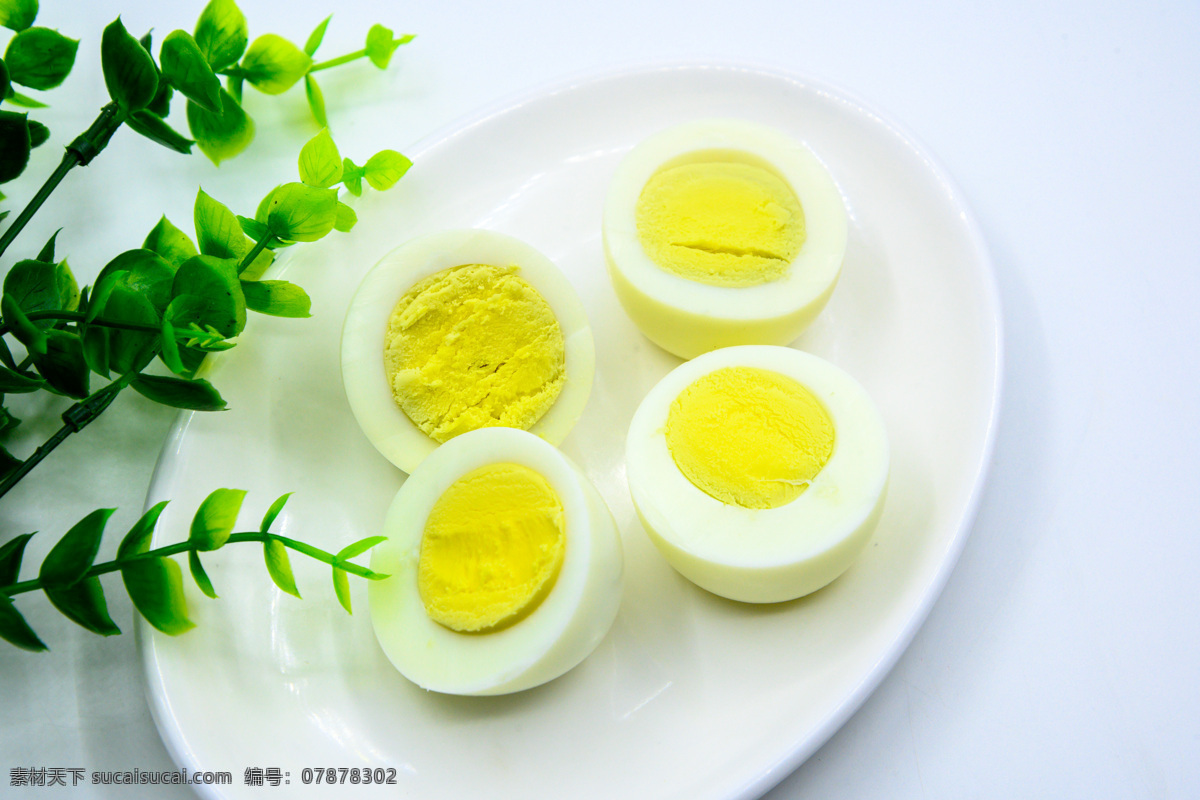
<point>1062,659</point>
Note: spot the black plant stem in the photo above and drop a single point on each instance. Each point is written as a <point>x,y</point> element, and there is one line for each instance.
<point>79,153</point>
<point>75,419</point>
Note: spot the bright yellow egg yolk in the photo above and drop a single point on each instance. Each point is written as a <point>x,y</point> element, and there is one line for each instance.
<point>474,346</point>
<point>749,437</point>
<point>492,548</point>
<point>720,222</point>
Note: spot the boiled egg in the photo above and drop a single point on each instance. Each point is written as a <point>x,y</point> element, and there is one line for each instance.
<point>723,232</point>
<point>461,330</point>
<point>759,471</point>
<point>505,567</point>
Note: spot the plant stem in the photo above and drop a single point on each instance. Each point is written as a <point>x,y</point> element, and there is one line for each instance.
<point>75,419</point>
<point>183,547</point>
<point>79,153</point>
<point>337,62</point>
<point>104,322</point>
<point>259,246</point>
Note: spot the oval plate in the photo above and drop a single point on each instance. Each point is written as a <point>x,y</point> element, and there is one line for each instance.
<point>689,696</point>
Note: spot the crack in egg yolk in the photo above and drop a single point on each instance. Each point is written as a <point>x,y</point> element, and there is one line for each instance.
<point>724,223</point>
<point>492,548</point>
<point>749,437</point>
<point>474,346</point>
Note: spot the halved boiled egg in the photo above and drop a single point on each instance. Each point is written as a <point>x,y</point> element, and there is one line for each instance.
<point>460,330</point>
<point>759,472</point>
<point>723,232</point>
<point>505,567</point>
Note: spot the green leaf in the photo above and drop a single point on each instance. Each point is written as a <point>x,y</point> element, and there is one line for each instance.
<point>39,286</point>
<point>234,84</point>
<point>221,33</point>
<point>218,233</point>
<point>153,128</point>
<point>18,15</point>
<point>268,518</point>
<point>279,566</point>
<point>199,575</point>
<point>352,175</point>
<point>145,272</point>
<point>301,213</point>
<point>318,34</point>
<point>137,540</point>
<point>253,228</point>
<point>28,334</point>
<point>8,462</point>
<point>170,243</point>
<point>169,350</point>
<point>381,45</point>
<point>15,144</point>
<point>46,254</point>
<point>5,81</point>
<point>264,205</point>
<point>10,558</point>
<point>155,586</point>
<point>187,69</point>
<point>130,350</point>
<point>218,302</point>
<point>346,218</point>
<point>7,423</point>
<point>221,136</point>
<point>383,169</point>
<point>160,106</point>
<point>316,100</point>
<point>215,518</point>
<point>273,64</point>
<point>40,58</point>
<point>72,556</point>
<point>12,382</point>
<point>129,71</point>
<point>15,630</point>
<point>341,587</point>
<point>194,395</point>
<point>320,162</point>
<point>83,603</point>
<point>358,548</point>
<point>24,101</point>
<point>39,134</point>
<point>63,364</point>
<point>96,349</point>
<point>276,298</point>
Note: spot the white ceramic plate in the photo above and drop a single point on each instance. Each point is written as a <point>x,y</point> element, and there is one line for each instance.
<point>690,696</point>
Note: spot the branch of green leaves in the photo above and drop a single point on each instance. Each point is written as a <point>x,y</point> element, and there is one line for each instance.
<point>70,578</point>
<point>171,299</point>
<point>141,90</point>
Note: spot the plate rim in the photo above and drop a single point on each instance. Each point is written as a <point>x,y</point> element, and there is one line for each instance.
<point>801,749</point>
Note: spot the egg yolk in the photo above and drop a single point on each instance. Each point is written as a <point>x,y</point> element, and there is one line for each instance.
<point>721,222</point>
<point>749,437</point>
<point>492,548</point>
<point>474,346</point>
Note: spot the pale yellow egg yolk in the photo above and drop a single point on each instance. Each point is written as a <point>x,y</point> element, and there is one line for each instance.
<point>492,548</point>
<point>720,222</point>
<point>749,437</point>
<point>474,346</point>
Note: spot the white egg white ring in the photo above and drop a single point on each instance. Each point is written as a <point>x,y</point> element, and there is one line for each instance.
<point>812,273</point>
<point>763,555</point>
<point>387,426</point>
<point>564,628</point>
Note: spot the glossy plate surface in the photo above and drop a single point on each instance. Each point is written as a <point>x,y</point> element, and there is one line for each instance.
<point>690,696</point>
